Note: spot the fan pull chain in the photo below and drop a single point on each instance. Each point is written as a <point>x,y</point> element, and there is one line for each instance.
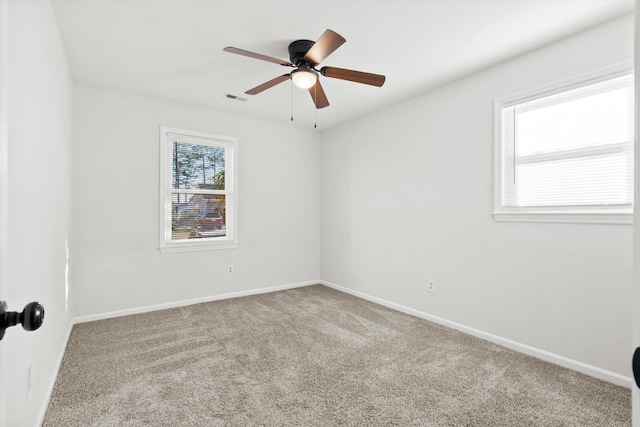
<point>514,146</point>
<point>315,107</point>
<point>291,99</point>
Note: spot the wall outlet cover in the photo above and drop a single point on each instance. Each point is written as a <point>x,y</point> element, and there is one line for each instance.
<point>431,285</point>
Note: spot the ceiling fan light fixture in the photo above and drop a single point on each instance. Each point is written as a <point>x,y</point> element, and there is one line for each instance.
<point>304,78</point>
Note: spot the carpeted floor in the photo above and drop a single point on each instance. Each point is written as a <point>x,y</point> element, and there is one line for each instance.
<point>312,356</point>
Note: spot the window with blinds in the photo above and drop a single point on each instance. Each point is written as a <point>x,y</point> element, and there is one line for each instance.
<point>198,191</point>
<point>566,153</point>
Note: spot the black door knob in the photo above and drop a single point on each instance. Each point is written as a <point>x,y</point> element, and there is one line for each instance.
<point>31,317</point>
<point>635,366</point>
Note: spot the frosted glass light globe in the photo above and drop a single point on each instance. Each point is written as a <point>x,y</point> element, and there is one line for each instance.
<point>304,79</point>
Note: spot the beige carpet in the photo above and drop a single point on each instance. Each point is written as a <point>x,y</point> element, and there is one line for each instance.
<point>312,356</point>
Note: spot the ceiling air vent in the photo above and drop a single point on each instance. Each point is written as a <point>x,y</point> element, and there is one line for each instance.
<point>237,98</point>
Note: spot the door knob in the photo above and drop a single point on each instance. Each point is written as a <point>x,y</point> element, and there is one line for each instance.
<point>635,366</point>
<point>31,317</point>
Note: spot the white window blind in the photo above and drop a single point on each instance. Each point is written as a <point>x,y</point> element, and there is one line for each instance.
<point>569,151</point>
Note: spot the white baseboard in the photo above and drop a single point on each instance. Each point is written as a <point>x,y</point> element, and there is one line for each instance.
<point>565,362</point>
<point>165,306</point>
<point>54,377</point>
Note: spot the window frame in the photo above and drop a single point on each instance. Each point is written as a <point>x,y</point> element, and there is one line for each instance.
<point>582,215</point>
<point>230,144</point>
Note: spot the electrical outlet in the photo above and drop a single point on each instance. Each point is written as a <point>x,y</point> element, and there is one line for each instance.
<point>230,269</point>
<point>28,378</point>
<point>431,285</point>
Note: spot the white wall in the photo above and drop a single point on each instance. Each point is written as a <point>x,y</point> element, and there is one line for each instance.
<point>116,167</point>
<point>407,195</point>
<point>39,201</point>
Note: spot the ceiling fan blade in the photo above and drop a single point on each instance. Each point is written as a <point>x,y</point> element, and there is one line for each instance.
<point>243,52</point>
<point>326,44</point>
<point>318,95</point>
<point>271,83</point>
<point>353,76</point>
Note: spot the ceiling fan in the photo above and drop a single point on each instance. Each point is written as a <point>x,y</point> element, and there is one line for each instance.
<point>305,56</point>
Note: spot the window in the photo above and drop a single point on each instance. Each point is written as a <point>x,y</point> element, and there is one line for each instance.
<point>565,153</point>
<point>198,191</point>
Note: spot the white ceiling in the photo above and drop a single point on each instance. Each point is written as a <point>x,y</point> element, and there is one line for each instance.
<point>173,49</point>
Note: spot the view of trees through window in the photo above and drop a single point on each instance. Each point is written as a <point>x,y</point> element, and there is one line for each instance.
<point>198,200</point>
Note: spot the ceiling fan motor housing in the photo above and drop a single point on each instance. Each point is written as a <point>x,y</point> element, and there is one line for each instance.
<point>298,49</point>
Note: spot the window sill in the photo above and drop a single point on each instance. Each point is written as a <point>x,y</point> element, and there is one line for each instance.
<point>197,247</point>
<point>566,217</point>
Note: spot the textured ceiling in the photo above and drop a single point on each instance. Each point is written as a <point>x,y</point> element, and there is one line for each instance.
<point>173,49</point>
